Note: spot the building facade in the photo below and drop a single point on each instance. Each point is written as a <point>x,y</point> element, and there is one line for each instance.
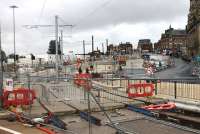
<point>174,40</point>
<point>121,49</point>
<point>145,45</point>
<point>193,28</point>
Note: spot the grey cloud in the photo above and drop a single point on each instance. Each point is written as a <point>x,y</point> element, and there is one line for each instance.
<point>136,11</point>
<point>112,13</point>
<point>87,15</point>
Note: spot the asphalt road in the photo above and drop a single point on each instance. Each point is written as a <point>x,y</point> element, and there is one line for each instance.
<point>182,70</point>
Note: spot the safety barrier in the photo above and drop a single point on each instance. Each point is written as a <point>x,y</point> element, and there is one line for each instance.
<point>21,96</point>
<point>115,89</point>
<point>83,80</point>
<point>140,90</point>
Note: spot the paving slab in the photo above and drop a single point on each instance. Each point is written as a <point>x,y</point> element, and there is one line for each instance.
<point>117,115</point>
<point>58,108</point>
<point>107,104</point>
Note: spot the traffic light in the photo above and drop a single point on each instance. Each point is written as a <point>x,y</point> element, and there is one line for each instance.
<point>16,57</point>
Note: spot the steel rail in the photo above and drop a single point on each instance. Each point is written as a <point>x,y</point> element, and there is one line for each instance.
<point>159,121</point>
<point>119,130</point>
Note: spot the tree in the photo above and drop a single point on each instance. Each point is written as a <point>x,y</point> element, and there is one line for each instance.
<point>3,55</point>
<point>52,48</point>
<point>32,57</point>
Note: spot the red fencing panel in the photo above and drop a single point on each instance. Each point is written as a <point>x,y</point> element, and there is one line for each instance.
<point>140,90</point>
<point>83,80</point>
<point>20,96</point>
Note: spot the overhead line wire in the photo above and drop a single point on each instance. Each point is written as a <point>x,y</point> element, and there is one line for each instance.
<point>94,11</point>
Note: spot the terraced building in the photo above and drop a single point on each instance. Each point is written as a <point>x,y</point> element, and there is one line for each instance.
<point>193,28</point>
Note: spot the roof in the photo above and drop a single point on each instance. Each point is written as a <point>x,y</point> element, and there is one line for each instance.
<point>144,41</point>
<point>173,31</point>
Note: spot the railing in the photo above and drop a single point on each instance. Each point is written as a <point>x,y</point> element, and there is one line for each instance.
<point>111,89</point>
<point>116,89</point>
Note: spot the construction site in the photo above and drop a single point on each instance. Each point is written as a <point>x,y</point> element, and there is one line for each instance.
<point>83,98</point>
<point>108,86</point>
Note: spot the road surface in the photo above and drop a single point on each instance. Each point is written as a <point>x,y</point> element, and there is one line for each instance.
<point>182,70</point>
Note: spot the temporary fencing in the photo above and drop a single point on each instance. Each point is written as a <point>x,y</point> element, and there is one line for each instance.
<point>59,93</point>
<point>111,90</point>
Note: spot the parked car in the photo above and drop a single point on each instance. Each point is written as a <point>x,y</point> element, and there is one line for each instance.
<point>146,56</point>
<point>186,58</point>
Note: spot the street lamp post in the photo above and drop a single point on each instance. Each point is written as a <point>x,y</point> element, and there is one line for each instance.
<point>1,77</point>
<point>13,7</point>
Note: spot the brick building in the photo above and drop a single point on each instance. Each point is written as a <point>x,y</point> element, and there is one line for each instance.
<point>145,45</point>
<point>173,39</point>
<point>193,28</point>
<point>121,49</point>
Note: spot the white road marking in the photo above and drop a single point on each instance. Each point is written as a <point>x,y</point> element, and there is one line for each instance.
<point>9,130</point>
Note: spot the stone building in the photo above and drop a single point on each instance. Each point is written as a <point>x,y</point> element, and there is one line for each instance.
<point>121,49</point>
<point>193,28</point>
<point>172,39</point>
<point>145,45</point>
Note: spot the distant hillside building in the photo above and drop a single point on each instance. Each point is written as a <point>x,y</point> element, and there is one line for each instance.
<point>193,28</point>
<point>121,49</point>
<point>173,39</point>
<point>145,45</point>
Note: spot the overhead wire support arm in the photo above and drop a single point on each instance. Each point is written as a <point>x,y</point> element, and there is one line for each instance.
<point>56,25</point>
<point>38,26</point>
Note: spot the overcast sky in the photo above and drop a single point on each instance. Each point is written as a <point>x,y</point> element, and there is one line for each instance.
<point>117,20</point>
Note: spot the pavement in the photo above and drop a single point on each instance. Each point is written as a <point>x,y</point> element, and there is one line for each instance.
<point>18,127</point>
<point>145,126</point>
<point>124,119</point>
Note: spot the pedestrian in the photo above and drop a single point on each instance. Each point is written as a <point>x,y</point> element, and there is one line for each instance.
<point>120,68</point>
<point>87,71</point>
<point>80,70</point>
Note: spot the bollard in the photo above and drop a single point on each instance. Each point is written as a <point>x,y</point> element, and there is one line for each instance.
<point>175,90</point>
